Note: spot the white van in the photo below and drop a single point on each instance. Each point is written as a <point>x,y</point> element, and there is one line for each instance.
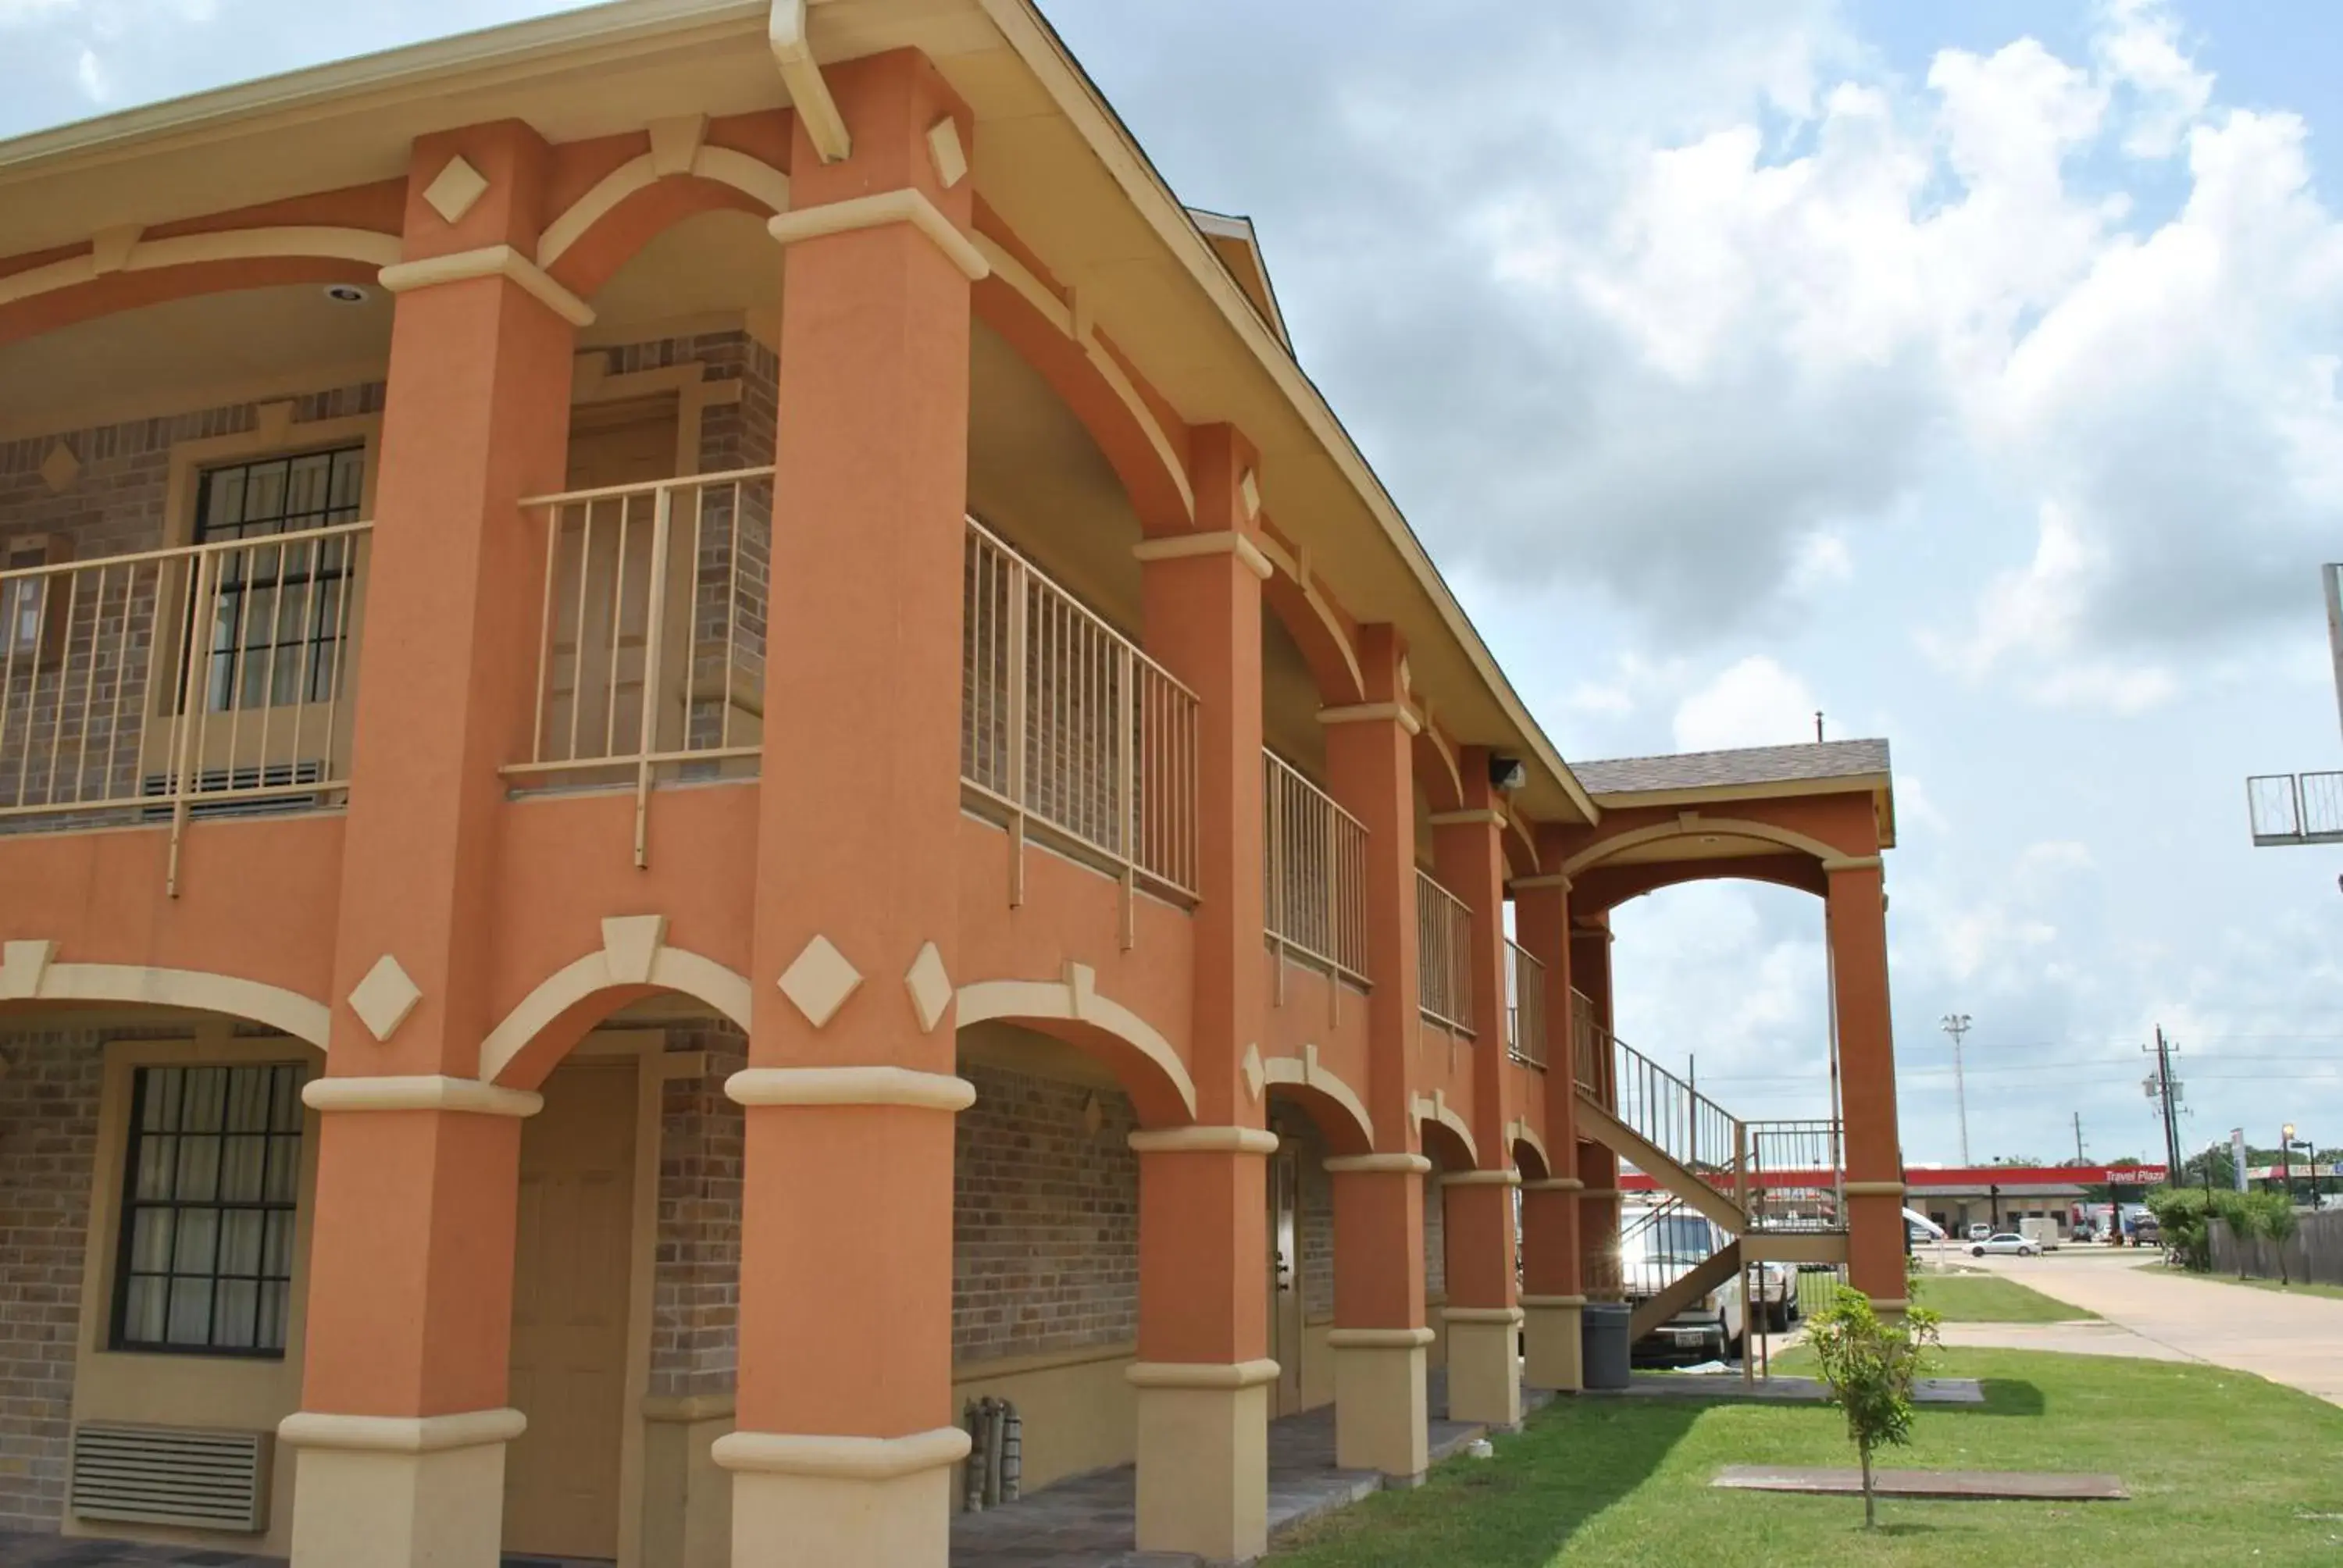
<point>1658,1246</point>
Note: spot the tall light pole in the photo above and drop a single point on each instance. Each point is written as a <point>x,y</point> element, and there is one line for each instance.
<point>1956,1024</point>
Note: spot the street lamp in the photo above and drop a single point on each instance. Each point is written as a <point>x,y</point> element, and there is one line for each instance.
<point>2286,1160</point>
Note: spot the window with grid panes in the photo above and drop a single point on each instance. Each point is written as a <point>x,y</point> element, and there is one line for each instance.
<point>279,626</point>
<point>208,1199</point>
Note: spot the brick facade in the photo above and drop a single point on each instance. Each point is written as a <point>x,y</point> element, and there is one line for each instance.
<point>695,1259</point>
<point>50,1084</point>
<point>1045,1226</point>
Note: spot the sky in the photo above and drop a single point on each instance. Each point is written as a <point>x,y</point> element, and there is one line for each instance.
<point>1964,371</point>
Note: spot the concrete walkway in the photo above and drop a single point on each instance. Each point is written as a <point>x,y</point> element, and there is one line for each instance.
<point>2293,1339</point>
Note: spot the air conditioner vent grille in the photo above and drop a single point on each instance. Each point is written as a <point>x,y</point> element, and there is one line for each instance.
<point>193,1477</point>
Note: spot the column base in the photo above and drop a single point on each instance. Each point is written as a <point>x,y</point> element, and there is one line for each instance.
<point>1204,1458</point>
<point>393,1492</point>
<point>1553,1356</point>
<point>1380,1415</point>
<point>1484,1380</point>
<point>803,1502</point>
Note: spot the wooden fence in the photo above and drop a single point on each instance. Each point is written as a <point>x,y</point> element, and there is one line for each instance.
<point>2314,1252</point>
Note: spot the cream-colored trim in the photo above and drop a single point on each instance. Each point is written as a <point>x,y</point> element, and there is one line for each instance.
<point>29,974</point>
<point>1409,1164</point>
<point>1556,1184</point>
<point>1479,816</point>
<point>849,1086</point>
<point>590,382</point>
<point>1226,542</point>
<point>401,1435</point>
<point>1481,1314</point>
<point>273,432</point>
<point>725,165</point>
<point>109,254</point>
<point>1434,1106</point>
<point>1739,794</point>
<point>683,1409</point>
<point>489,261</point>
<point>1200,1374</point>
<point>1481,1179</point>
<point>1543,879</point>
<point>1874,1189</point>
<point>1693,822</point>
<point>877,210</point>
<point>1075,998</point>
<point>1891,1303</point>
<point>1600,1194</point>
<point>1204,1140</point>
<point>1305,1071</point>
<point>1295,565</point>
<point>1398,713</point>
<point>1854,863</point>
<point>1062,316</point>
<point>1530,1303</point>
<point>419,1092</point>
<point>671,968</point>
<point>1379,1338</point>
<point>785,34</point>
<point>840,1458</point>
<point>1520,1132</point>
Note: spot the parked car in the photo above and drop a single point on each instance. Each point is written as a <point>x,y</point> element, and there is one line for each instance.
<point>1979,1232</point>
<point>2007,1244</point>
<point>1657,1250</point>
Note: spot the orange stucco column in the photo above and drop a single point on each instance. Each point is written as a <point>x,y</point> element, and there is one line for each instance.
<point>1379,1337</point>
<point>1483,1314</point>
<point>1858,916</point>
<point>1598,1167</point>
<point>845,1440</point>
<point>404,1412</point>
<point>1203,1374</point>
<point>1553,1291</point>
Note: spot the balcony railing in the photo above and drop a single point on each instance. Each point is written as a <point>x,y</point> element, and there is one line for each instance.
<point>1797,1175</point>
<point>1443,956</point>
<point>1590,1042</point>
<point>1524,1007</point>
<point>1315,863</point>
<point>1069,730</point>
<point>651,648</point>
<point>212,679</point>
<point>2295,809</point>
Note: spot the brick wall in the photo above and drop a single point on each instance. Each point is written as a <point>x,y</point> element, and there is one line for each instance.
<point>50,1082</point>
<point>1313,1219</point>
<point>1045,1226</point>
<point>695,1259</point>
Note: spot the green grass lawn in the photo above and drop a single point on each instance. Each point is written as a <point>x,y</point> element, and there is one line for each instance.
<point>1991,1299</point>
<point>2223,1468</point>
<point>2298,1288</point>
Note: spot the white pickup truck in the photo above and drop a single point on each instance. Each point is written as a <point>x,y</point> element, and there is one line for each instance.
<point>1658,1246</point>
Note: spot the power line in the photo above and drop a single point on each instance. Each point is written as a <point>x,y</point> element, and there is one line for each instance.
<point>1956,1024</point>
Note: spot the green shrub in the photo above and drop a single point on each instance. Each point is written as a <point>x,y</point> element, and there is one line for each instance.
<point>1870,1364</point>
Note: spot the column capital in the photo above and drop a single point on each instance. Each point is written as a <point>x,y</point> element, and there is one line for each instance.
<point>1187,547</point>
<point>1204,1140</point>
<point>1397,1164</point>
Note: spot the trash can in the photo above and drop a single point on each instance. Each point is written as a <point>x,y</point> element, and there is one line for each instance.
<point>1603,1344</point>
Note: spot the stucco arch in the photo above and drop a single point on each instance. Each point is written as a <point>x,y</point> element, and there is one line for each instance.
<point>28,974</point>
<point>634,962</point>
<point>1333,1105</point>
<point>1605,887</point>
<point>1436,1112</point>
<point>1539,1164</point>
<point>1072,1009</point>
<point>1603,849</point>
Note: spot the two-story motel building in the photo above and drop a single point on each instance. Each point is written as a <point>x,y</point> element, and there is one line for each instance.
<point>704,748</point>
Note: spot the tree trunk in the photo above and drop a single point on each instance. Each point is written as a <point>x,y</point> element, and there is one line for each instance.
<point>1870,1501</point>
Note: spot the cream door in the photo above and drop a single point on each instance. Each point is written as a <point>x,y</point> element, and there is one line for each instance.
<point>1284,1281</point>
<point>602,572</point>
<point>569,1314</point>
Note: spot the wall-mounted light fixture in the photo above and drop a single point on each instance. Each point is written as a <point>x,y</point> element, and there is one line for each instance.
<point>1507,773</point>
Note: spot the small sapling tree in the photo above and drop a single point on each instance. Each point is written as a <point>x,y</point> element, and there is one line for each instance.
<point>1870,1364</point>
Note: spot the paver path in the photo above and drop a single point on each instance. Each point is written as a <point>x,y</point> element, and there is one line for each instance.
<point>2288,1338</point>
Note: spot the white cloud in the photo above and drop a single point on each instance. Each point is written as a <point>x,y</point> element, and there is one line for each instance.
<point>1754,702</point>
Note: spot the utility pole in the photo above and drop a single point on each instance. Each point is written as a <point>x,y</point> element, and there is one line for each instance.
<point>2078,1138</point>
<point>2167,1094</point>
<point>1956,1024</point>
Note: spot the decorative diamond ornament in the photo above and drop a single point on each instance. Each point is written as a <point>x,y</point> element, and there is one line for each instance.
<point>60,468</point>
<point>383,1000</point>
<point>819,981</point>
<point>1093,1115</point>
<point>930,987</point>
<point>455,188</point>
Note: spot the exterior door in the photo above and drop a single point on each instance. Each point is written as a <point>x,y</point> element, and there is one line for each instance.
<point>1284,1281</point>
<point>570,1276</point>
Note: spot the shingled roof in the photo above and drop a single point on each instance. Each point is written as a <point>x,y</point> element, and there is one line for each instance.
<point>1749,765</point>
